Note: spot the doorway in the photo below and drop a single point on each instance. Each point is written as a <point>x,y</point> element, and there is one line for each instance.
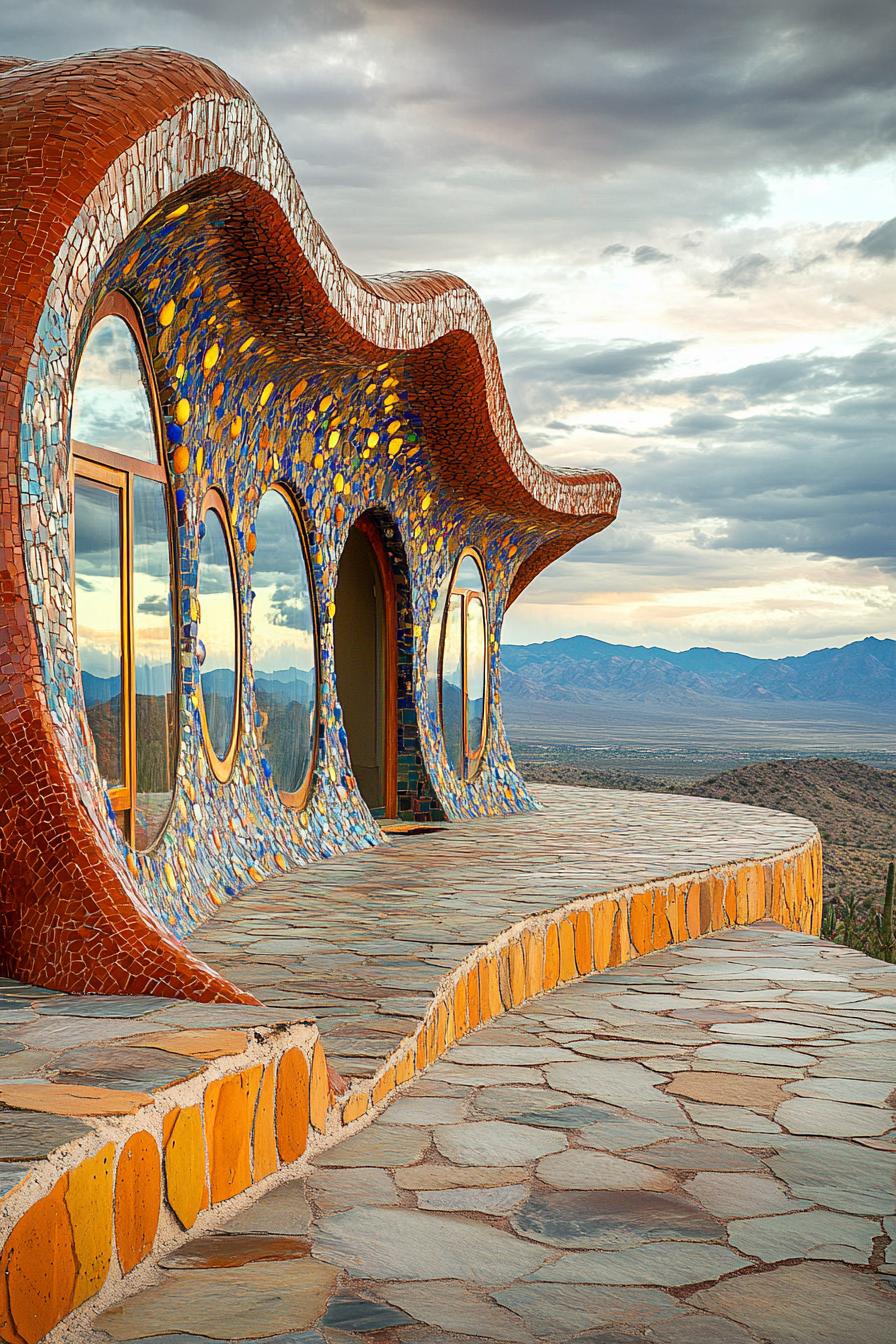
<point>365,650</point>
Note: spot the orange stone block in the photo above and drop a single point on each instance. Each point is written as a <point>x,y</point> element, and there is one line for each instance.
<point>88,1198</point>
<point>496,1003</point>
<point>551,957</point>
<point>730,899</point>
<point>676,908</point>
<point>473,998</point>
<point>138,1197</point>
<point>38,1270</point>
<point>461,1018</point>
<point>229,1111</point>
<point>640,921</point>
<point>485,1006</point>
<point>441,1028</point>
<point>620,946</point>
<point>517,973</point>
<point>717,904</point>
<point>432,1035</point>
<point>185,1184</point>
<point>583,943</point>
<point>384,1085</point>
<point>264,1136</point>
<point>568,948</point>
<point>404,1069</point>
<point>319,1097</point>
<point>356,1106</point>
<point>603,915</point>
<point>534,948</point>
<point>291,1106</point>
<point>450,1033</point>
<point>743,908</point>
<point>662,931</point>
<point>692,913</point>
<point>421,1049</point>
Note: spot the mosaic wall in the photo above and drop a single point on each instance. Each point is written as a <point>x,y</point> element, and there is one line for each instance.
<point>272,363</point>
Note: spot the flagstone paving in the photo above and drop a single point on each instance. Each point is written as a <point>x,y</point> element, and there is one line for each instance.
<point>598,1199</point>
<point>360,943</point>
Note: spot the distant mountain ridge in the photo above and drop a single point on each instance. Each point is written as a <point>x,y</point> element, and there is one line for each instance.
<point>580,668</point>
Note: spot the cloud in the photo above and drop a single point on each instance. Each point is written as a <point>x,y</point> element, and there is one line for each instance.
<point>880,243</point>
<point>604,171</point>
<point>744,273</point>
<point>645,256</point>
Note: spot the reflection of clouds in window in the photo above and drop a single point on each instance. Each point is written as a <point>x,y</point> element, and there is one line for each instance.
<point>468,575</point>
<point>216,576</point>
<point>96,529</point>
<point>111,406</point>
<point>289,608</point>
<point>217,617</point>
<point>283,649</point>
<point>154,605</point>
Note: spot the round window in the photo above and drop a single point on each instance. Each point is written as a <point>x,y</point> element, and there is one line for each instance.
<point>284,646</point>
<point>219,645</point>
<point>125,603</point>
<point>457,660</point>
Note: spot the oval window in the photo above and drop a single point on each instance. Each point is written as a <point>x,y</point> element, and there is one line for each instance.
<point>123,575</point>
<point>218,647</point>
<point>457,664</point>
<point>284,648</point>
<point>111,406</point>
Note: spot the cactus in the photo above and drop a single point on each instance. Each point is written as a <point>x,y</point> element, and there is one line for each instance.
<point>886,933</point>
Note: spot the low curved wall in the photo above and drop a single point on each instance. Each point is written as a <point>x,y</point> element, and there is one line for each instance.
<point>101,1210</point>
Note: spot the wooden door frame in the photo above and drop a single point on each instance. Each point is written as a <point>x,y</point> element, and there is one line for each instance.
<point>369,529</point>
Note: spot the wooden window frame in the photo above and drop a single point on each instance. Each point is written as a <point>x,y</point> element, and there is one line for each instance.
<point>222,767</point>
<point>103,466</point>
<point>471,760</point>
<point>299,797</point>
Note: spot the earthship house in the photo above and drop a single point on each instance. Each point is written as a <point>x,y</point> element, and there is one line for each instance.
<point>261,520</point>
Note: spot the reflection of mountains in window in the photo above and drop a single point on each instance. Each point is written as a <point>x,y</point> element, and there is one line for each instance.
<point>286,704</point>
<point>102,698</point>
<point>452,723</point>
<point>219,700</point>
<point>156,731</point>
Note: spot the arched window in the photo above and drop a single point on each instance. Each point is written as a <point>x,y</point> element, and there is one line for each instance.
<point>284,646</point>
<point>219,646</point>
<point>123,574</point>
<point>458,664</point>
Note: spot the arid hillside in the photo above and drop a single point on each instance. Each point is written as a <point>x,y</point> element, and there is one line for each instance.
<point>853,806</point>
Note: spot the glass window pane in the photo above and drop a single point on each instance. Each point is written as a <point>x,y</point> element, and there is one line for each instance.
<point>476,675</point>
<point>469,575</point>
<point>452,683</point>
<point>98,619</point>
<point>433,647</point>
<point>155,661</point>
<point>218,640</point>
<point>283,651</point>
<point>111,403</point>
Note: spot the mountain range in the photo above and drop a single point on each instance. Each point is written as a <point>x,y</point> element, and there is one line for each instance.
<point>579,669</point>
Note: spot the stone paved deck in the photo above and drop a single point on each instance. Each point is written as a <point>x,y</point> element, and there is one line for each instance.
<point>697,1148</point>
<point>360,943</point>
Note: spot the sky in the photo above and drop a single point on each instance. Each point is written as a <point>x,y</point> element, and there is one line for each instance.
<point>681,215</point>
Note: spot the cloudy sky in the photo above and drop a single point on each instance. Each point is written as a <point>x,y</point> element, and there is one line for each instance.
<point>682,215</point>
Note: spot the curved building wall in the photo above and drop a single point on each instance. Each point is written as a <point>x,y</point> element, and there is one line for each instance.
<point>272,364</point>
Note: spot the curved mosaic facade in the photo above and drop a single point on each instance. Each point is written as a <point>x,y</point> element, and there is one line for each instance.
<point>274,365</point>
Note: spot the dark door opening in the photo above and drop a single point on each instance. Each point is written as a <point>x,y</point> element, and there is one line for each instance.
<point>364,635</point>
